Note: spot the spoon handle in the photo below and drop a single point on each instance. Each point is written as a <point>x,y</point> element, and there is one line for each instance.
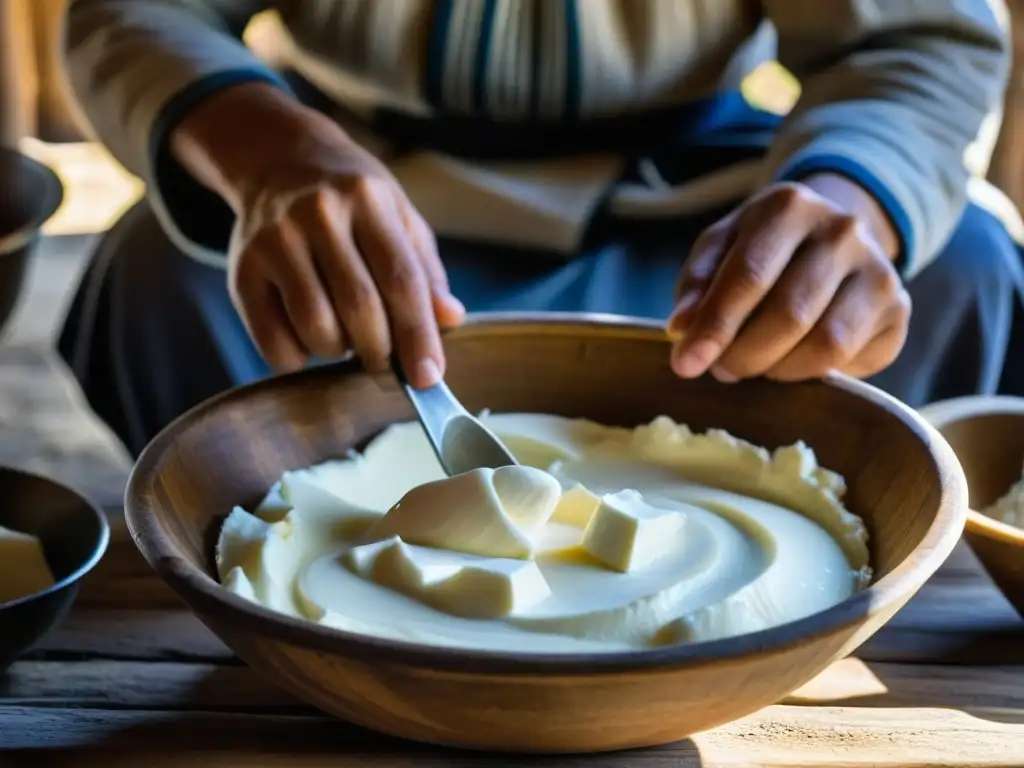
<point>435,407</point>
<point>458,438</point>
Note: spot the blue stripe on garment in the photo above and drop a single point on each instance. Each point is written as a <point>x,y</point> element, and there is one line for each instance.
<point>483,56</point>
<point>572,59</point>
<point>433,88</point>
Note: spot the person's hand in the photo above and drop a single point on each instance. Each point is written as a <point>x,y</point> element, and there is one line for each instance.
<point>797,282</point>
<point>327,252</point>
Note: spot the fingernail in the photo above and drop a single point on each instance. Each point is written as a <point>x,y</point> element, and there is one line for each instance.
<point>455,304</point>
<point>427,373</point>
<point>691,360</point>
<point>723,375</point>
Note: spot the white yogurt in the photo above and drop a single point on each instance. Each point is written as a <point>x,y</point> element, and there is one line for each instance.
<point>660,536</point>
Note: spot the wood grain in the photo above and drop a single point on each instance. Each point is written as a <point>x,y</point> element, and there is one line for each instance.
<point>101,684</point>
<point>776,736</point>
<point>130,635</point>
<point>173,685</point>
<point>124,580</point>
<point>854,714</point>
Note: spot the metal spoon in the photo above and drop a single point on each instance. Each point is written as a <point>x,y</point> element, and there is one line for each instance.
<point>460,441</point>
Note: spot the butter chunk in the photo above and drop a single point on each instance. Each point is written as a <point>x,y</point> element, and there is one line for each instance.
<point>23,567</point>
<point>576,507</point>
<point>486,512</point>
<point>627,534</point>
<point>260,552</point>
<point>527,495</point>
<point>243,542</point>
<point>455,583</point>
<point>236,581</point>
<point>1010,508</point>
<point>274,507</point>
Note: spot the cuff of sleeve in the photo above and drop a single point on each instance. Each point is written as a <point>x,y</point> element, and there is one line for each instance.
<point>194,213</point>
<point>844,166</point>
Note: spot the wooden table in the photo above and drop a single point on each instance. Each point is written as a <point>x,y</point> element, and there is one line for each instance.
<point>130,678</point>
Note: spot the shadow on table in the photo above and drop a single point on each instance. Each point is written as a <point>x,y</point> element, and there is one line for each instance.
<point>155,739</point>
<point>230,712</point>
<point>418,756</point>
<point>990,693</point>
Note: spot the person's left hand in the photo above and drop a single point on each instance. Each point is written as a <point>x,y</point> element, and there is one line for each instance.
<point>797,282</point>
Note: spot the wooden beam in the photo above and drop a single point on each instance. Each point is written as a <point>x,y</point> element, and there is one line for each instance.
<point>19,82</point>
<point>1007,168</point>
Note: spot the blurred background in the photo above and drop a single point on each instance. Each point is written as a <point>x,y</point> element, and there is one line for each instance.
<point>45,426</point>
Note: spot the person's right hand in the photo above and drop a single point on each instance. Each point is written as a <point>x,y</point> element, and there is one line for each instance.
<point>327,252</point>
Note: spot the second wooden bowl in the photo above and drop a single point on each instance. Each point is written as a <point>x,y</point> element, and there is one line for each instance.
<point>903,479</point>
<point>987,435</point>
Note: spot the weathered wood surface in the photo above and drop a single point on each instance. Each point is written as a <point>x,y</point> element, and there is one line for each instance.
<point>779,735</point>
<point>131,678</point>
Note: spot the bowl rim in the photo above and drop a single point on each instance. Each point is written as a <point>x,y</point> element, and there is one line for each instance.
<point>205,595</point>
<point>100,549</point>
<point>53,196</point>
<point>955,409</point>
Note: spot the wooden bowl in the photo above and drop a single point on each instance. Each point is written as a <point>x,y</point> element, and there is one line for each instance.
<point>74,535</point>
<point>903,479</point>
<point>987,435</point>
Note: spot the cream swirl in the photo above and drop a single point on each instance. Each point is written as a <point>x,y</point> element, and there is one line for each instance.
<point>607,539</point>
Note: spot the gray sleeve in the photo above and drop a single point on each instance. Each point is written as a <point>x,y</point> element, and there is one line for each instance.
<point>901,96</point>
<point>136,68</point>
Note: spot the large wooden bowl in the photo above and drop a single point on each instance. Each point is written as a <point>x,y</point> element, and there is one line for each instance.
<point>987,435</point>
<point>903,478</point>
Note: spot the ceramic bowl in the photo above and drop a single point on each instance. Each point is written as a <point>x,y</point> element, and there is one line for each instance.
<point>903,479</point>
<point>30,193</point>
<point>987,435</point>
<point>74,534</point>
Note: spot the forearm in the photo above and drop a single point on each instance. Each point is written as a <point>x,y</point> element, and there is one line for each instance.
<point>215,141</point>
<point>896,97</point>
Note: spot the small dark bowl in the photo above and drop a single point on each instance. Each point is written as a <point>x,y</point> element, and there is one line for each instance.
<point>30,193</point>
<point>74,534</point>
